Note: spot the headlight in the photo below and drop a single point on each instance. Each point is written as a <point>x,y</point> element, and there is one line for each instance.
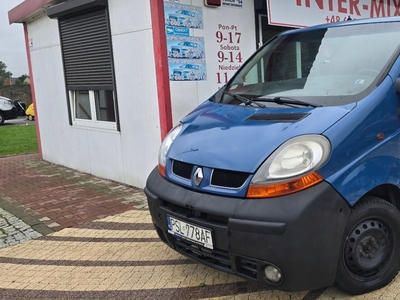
<point>291,167</point>
<point>162,154</point>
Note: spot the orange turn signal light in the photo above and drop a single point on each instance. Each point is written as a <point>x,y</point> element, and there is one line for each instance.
<point>161,169</point>
<point>284,188</point>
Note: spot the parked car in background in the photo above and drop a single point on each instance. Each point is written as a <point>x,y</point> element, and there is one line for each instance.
<point>30,113</point>
<point>7,110</point>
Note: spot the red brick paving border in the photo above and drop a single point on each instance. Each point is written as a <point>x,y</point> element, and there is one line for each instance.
<point>60,197</point>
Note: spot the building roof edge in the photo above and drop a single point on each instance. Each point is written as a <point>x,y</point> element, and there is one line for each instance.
<point>21,12</point>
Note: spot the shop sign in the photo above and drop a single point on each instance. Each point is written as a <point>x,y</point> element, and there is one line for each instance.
<point>303,13</point>
<point>233,3</point>
<point>229,39</point>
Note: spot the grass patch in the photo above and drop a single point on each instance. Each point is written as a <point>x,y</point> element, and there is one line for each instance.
<point>18,140</point>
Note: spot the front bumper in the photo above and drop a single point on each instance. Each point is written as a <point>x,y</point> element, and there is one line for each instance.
<point>300,233</point>
<point>10,114</point>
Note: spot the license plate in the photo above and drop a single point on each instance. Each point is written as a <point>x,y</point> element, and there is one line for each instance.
<point>199,235</point>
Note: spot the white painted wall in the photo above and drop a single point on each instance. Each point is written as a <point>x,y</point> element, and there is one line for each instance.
<point>136,88</point>
<point>127,156</point>
<point>49,85</point>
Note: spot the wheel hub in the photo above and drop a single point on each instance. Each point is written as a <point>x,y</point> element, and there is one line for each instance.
<point>367,248</point>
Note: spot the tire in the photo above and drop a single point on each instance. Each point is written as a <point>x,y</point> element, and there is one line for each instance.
<point>2,118</point>
<point>31,118</point>
<point>369,255</point>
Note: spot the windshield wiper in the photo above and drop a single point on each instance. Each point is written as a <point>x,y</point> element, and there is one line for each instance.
<point>244,100</point>
<point>284,100</point>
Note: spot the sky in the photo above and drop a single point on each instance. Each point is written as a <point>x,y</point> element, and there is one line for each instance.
<point>12,46</point>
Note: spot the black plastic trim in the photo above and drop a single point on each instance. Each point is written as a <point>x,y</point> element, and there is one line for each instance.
<point>275,228</point>
<point>299,233</point>
<point>281,118</point>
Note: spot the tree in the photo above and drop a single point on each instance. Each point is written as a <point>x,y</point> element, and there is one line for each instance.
<point>4,74</point>
<point>21,79</point>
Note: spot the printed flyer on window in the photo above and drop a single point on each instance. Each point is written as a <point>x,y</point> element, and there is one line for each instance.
<point>186,53</point>
<point>189,47</point>
<point>182,15</point>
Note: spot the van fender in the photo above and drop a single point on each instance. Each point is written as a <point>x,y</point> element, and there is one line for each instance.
<point>369,173</point>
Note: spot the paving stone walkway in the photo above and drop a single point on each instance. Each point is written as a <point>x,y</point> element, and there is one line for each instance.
<point>73,236</point>
<point>49,197</point>
<point>14,231</point>
<point>121,257</point>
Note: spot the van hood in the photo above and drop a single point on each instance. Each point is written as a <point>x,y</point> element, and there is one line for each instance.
<point>240,138</point>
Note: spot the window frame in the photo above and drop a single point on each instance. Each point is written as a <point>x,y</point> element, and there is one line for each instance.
<point>93,121</point>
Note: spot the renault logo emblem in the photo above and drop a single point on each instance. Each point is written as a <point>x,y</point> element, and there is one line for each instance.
<point>198,176</point>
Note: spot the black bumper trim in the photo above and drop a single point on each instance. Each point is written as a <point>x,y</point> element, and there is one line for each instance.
<point>299,233</point>
<point>10,114</point>
<point>273,228</point>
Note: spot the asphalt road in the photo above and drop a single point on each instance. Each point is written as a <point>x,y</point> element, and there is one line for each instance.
<point>19,121</point>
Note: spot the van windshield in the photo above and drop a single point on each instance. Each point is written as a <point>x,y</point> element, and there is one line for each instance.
<point>330,66</point>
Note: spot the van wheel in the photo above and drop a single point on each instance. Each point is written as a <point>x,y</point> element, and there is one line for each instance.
<point>1,118</point>
<point>368,257</point>
<point>30,118</point>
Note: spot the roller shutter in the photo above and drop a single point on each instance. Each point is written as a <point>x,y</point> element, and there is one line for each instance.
<point>86,50</point>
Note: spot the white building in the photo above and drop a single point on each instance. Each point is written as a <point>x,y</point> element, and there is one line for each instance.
<point>109,78</point>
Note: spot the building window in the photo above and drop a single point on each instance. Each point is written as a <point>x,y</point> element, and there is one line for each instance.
<point>81,104</point>
<point>93,108</point>
<point>88,63</point>
<point>104,106</point>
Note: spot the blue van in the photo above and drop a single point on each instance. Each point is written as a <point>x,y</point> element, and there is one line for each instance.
<point>289,175</point>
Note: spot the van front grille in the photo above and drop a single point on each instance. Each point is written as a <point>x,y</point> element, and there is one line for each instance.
<point>219,178</point>
<point>182,169</point>
<point>228,179</point>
